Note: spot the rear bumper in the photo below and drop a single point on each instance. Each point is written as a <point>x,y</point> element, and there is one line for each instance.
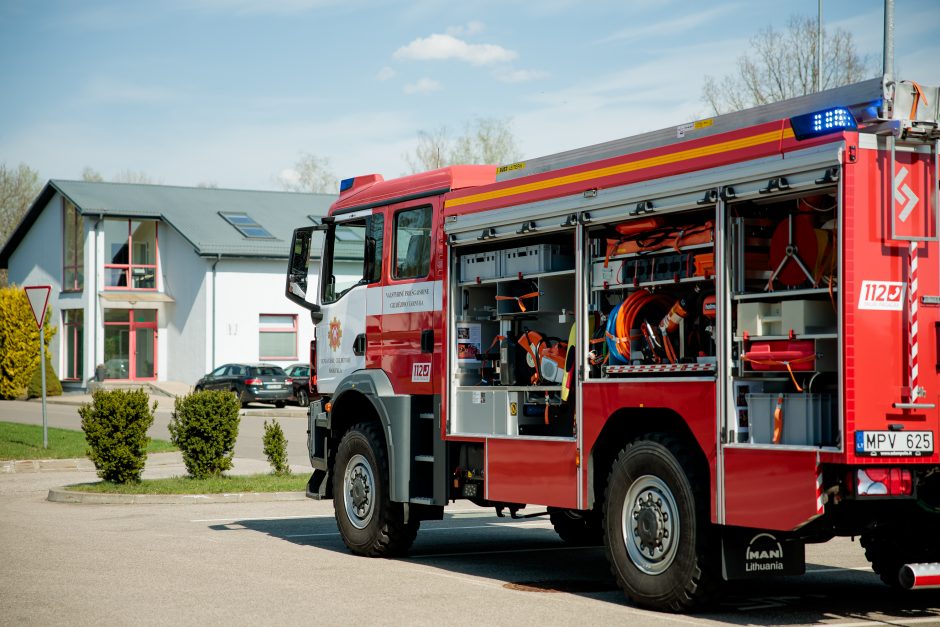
<point>266,396</point>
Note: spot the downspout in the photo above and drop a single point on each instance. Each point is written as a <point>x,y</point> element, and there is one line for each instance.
<point>218,258</point>
<point>94,296</point>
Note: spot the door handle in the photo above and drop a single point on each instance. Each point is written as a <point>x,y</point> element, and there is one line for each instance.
<point>427,341</point>
<point>359,345</point>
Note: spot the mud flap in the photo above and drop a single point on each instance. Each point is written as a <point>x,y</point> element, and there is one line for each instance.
<point>753,553</point>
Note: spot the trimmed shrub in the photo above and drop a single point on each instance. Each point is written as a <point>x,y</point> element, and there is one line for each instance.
<point>115,425</point>
<point>204,427</point>
<point>19,342</point>
<point>53,385</point>
<point>275,447</point>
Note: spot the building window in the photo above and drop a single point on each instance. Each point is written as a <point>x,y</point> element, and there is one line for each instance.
<point>277,336</point>
<point>412,243</point>
<point>73,323</point>
<point>73,254</point>
<point>130,254</point>
<point>246,225</point>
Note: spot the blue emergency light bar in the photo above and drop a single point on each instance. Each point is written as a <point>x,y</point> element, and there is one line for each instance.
<point>823,123</point>
<point>346,184</point>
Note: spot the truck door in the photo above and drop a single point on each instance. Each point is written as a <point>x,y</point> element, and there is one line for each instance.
<point>352,256</point>
<point>411,301</point>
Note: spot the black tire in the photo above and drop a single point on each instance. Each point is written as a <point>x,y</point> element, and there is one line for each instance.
<point>890,547</point>
<point>303,399</point>
<point>577,528</point>
<point>279,404</point>
<point>668,558</point>
<point>369,523</point>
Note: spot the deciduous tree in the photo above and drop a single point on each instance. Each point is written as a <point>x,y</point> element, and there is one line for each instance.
<point>781,64</point>
<point>310,174</point>
<point>485,140</point>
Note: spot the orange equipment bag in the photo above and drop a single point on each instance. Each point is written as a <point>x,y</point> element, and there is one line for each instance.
<point>662,237</point>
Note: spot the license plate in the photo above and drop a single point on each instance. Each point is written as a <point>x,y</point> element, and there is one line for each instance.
<point>274,386</point>
<point>893,443</point>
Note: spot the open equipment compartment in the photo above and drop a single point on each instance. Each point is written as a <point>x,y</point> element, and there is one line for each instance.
<point>784,253</point>
<point>652,296</point>
<point>512,305</point>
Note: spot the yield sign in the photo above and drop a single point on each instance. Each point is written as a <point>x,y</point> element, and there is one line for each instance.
<point>38,296</point>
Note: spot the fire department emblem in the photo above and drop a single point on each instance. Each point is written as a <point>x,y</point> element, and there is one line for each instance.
<point>335,334</point>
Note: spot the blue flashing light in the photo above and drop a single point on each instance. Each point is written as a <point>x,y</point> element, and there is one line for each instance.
<point>346,184</point>
<point>823,123</point>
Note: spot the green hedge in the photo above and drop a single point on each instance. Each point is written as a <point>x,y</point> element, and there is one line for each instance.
<point>275,447</point>
<point>204,427</point>
<point>115,425</point>
<point>19,342</point>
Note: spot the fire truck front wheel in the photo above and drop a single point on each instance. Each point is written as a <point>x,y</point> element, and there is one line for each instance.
<point>656,532</point>
<point>369,523</point>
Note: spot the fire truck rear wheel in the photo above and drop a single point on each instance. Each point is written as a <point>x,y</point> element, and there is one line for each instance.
<point>890,547</point>
<point>369,523</point>
<point>577,528</point>
<point>657,533</point>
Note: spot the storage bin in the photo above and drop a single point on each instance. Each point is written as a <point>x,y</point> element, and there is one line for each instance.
<point>807,419</point>
<point>774,355</point>
<point>479,266</point>
<point>533,259</point>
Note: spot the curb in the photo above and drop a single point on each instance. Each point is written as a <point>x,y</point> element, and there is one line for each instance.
<point>45,465</point>
<point>63,495</point>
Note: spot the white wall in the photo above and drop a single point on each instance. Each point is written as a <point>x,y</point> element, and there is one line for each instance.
<point>245,289</point>
<point>183,326</point>
<point>38,261</point>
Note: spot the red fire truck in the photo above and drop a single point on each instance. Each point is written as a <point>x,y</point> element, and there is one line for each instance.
<point>703,347</point>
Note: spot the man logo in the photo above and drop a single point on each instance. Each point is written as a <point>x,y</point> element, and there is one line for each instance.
<point>763,553</point>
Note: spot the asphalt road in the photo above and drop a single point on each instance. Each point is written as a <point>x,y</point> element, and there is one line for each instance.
<point>284,563</point>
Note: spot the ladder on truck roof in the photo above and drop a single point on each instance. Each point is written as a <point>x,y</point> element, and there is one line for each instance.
<point>867,101</point>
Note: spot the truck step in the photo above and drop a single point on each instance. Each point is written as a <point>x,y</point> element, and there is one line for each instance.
<point>421,500</point>
<point>424,458</point>
<point>427,415</point>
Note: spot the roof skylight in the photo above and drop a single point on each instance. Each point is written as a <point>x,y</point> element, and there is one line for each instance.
<point>246,225</point>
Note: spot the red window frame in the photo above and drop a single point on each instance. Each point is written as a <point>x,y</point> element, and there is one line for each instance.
<point>128,267</point>
<point>77,263</point>
<point>263,329</point>
<point>132,325</point>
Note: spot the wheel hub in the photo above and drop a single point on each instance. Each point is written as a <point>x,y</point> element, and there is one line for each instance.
<point>650,524</point>
<point>359,491</point>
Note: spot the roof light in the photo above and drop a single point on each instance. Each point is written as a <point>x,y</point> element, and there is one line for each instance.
<point>823,123</point>
<point>246,225</point>
<point>346,184</point>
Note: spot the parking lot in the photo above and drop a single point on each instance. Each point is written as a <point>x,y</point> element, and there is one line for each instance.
<point>284,563</point>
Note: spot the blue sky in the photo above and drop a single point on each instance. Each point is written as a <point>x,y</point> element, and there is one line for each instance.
<point>232,92</point>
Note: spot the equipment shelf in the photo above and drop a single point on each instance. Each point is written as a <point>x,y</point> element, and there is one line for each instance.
<point>661,251</point>
<point>781,294</point>
<point>534,275</point>
<point>630,286</point>
<point>804,336</point>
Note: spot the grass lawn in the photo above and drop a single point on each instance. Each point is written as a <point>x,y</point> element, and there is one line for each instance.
<point>19,441</point>
<point>215,485</point>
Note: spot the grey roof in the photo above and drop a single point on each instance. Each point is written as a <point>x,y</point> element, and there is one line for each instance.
<point>191,211</point>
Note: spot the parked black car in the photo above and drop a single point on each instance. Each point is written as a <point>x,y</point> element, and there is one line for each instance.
<point>265,383</point>
<point>300,375</point>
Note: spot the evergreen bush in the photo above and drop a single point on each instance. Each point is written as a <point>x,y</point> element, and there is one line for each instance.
<point>115,425</point>
<point>275,447</point>
<point>19,342</point>
<point>205,426</point>
<point>53,385</point>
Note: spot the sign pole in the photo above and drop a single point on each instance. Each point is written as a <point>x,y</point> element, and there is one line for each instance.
<point>38,297</point>
<point>42,368</point>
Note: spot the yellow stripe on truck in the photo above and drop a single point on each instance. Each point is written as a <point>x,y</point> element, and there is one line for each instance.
<point>622,168</point>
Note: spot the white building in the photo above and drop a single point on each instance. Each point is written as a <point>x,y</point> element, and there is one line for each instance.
<point>163,283</point>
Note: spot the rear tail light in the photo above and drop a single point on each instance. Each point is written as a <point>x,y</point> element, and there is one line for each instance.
<point>288,381</point>
<point>252,381</point>
<point>884,482</point>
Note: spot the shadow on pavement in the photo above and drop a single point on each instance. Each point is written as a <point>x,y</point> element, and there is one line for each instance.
<point>528,556</point>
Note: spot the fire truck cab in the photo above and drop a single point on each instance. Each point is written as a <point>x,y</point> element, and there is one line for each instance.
<point>703,347</point>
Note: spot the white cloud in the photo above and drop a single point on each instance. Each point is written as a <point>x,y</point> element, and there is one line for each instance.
<point>288,176</point>
<point>422,86</point>
<point>441,47</point>
<point>509,75</point>
<point>674,25</point>
<point>466,30</point>
<point>386,73</point>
